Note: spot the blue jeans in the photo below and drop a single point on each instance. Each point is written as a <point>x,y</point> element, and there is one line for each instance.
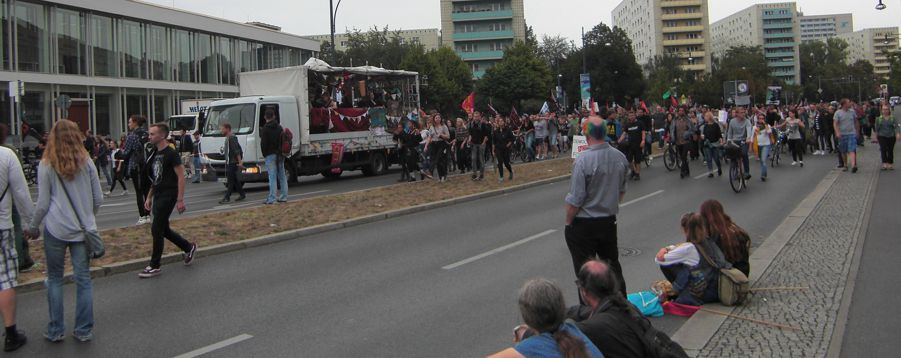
<point>197,171</point>
<point>713,156</point>
<point>275,167</point>
<point>763,154</point>
<point>55,250</point>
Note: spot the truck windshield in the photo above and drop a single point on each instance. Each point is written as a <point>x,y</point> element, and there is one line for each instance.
<point>240,116</point>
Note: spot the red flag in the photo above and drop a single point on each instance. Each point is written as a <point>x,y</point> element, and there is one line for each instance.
<point>675,102</point>
<point>644,106</point>
<point>469,104</point>
<point>514,117</point>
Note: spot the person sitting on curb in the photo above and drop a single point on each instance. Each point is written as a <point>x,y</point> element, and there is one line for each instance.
<point>543,309</point>
<point>733,241</point>
<point>693,278</point>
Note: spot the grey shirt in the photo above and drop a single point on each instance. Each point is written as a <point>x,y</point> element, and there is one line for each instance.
<point>437,132</point>
<point>53,204</point>
<point>11,174</point>
<point>846,120</point>
<point>737,130</point>
<point>598,179</point>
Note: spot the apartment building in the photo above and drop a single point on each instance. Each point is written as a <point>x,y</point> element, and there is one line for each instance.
<point>822,27</point>
<point>872,45</point>
<point>480,30</point>
<point>676,27</point>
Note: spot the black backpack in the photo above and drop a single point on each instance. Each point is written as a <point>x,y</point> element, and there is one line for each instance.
<point>656,343</point>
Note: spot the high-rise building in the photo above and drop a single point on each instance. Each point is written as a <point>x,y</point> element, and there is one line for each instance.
<point>774,27</point>
<point>480,30</point>
<point>118,58</point>
<point>658,27</point>
<point>872,45</point>
<point>821,27</point>
<point>430,39</point>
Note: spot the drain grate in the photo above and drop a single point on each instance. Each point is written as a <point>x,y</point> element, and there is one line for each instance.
<point>629,251</point>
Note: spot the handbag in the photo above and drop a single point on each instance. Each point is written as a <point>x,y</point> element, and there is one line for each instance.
<point>92,238</point>
<point>647,303</point>
<point>733,285</point>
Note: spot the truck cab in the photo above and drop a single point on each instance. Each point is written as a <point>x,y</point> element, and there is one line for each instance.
<point>245,115</point>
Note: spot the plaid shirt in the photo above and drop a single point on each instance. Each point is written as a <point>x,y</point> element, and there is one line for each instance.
<point>461,134</point>
<point>132,146</point>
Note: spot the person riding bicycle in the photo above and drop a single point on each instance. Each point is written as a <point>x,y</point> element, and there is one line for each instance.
<point>739,131</point>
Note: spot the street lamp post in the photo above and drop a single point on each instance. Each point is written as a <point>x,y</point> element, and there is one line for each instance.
<point>333,13</point>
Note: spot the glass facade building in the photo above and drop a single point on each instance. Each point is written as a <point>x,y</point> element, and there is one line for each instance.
<point>124,57</point>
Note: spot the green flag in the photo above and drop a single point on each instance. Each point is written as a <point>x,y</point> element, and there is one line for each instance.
<point>666,94</point>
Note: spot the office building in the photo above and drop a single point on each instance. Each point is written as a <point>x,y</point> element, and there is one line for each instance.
<point>658,27</point>
<point>117,58</point>
<point>822,27</point>
<point>872,45</point>
<point>430,39</point>
<point>480,30</point>
<point>774,27</point>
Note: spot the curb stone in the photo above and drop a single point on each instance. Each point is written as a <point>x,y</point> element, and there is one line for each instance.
<point>138,264</point>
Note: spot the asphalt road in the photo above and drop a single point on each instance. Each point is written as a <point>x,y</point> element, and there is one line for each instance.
<point>439,283</point>
<point>203,198</point>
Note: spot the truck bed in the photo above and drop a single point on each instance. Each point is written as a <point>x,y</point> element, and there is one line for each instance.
<point>321,144</point>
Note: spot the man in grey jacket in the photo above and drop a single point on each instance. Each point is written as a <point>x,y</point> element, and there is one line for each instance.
<point>14,188</point>
<point>740,132</point>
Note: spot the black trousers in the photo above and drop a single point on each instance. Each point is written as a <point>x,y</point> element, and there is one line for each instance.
<point>682,149</point>
<point>588,238</point>
<point>233,185</point>
<point>141,190</point>
<point>438,151</point>
<point>463,158</point>
<point>163,204</point>
<point>887,149</point>
<point>503,160</point>
<point>797,149</point>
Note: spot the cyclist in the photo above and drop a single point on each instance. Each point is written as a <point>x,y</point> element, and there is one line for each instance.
<point>763,136</point>
<point>739,131</point>
<point>681,134</point>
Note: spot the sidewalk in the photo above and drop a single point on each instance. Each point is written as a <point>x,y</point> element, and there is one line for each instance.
<point>817,246</point>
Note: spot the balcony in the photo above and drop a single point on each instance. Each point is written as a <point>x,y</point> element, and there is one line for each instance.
<point>780,44</point>
<point>680,3</point>
<point>676,29</point>
<point>695,67</point>
<point>683,42</point>
<point>692,54</point>
<point>790,35</point>
<point>778,16</point>
<point>786,64</point>
<point>483,35</point>
<point>682,16</point>
<point>786,25</point>
<point>780,54</point>
<point>478,74</point>
<point>482,55</point>
<point>482,15</point>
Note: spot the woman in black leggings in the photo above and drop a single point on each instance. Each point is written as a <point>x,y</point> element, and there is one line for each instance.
<point>503,139</point>
<point>794,126</point>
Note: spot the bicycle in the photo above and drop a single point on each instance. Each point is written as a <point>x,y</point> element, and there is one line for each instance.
<point>519,149</point>
<point>736,169</point>
<point>776,153</point>
<point>671,158</point>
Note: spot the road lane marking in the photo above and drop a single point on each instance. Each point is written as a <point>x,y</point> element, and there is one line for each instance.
<point>704,175</point>
<point>215,346</point>
<point>498,250</point>
<point>633,201</point>
<point>117,204</point>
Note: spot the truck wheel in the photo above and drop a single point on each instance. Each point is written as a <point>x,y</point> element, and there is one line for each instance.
<point>328,174</point>
<point>291,172</point>
<point>377,165</point>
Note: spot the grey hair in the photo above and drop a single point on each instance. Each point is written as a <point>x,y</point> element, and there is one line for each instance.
<point>541,305</point>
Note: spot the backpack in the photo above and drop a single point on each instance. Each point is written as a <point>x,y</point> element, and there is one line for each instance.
<point>656,343</point>
<point>733,285</point>
<point>286,141</point>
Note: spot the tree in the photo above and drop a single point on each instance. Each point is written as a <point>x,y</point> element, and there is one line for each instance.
<point>609,60</point>
<point>822,64</point>
<point>382,48</point>
<point>531,39</point>
<point>664,73</point>
<point>894,76</point>
<point>864,72</point>
<point>553,50</point>
<point>519,76</point>
<point>446,79</point>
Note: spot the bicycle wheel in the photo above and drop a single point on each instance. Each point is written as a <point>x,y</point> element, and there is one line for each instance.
<point>670,159</point>
<point>735,177</point>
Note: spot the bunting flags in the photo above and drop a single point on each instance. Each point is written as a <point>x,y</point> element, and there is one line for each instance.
<point>469,103</point>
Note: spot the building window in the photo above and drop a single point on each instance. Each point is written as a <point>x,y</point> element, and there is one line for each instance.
<point>227,67</point>
<point>183,59</point>
<point>206,59</point>
<point>158,53</point>
<point>31,37</point>
<point>468,47</point>
<point>70,42</point>
<point>104,47</point>
<point>132,40</point>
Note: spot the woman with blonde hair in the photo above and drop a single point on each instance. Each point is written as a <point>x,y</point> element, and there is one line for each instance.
<point>69,196</point>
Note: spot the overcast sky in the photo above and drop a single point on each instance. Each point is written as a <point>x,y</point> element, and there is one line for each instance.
<point>552,17</point>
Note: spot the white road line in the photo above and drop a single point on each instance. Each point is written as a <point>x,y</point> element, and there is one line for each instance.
<point>633,201</point>
<point>117,204</point>
<point>498,250</point>
<point>704,175</point>
<point>216,346</point>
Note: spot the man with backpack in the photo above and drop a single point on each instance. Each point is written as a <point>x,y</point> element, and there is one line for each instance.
<point>275,144</point>
<point>135,154</point>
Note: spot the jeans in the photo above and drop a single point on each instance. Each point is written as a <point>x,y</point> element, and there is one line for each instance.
<point>887,149</point>
<point>163,203</point>
<point>55,250</point>
<point>232,185</point>
<point>478,152</point>
<point>588,238</point>
<point>104,168</point>
<point>763,153</point>
<point>197,171</point>
<point>745,161</point>
<point>713,155</point>
<point>275,168</point>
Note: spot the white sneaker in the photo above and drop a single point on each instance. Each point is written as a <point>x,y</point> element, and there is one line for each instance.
<point>124,193</point>
<point>107,193</point>
<point>794,163</point>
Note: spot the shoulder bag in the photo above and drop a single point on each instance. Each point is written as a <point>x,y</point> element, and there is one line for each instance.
<point>733,285</point>
<point>92,238</point>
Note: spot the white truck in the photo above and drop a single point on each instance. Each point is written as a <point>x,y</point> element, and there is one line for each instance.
<point>190,117</point>
<point>301,100</point>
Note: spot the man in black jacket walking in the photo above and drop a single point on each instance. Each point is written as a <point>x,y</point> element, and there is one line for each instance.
<point>234,161</point>
<point>270,146</point>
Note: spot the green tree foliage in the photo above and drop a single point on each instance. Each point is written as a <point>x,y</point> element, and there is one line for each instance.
<point>376,47</point>
<point>894,80</point>
<point>553,50</point>
<point>518,77</point>
<point>446,79</point>
<point>824,65</point>
<point>664,73</point>
<point>615,75</point>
